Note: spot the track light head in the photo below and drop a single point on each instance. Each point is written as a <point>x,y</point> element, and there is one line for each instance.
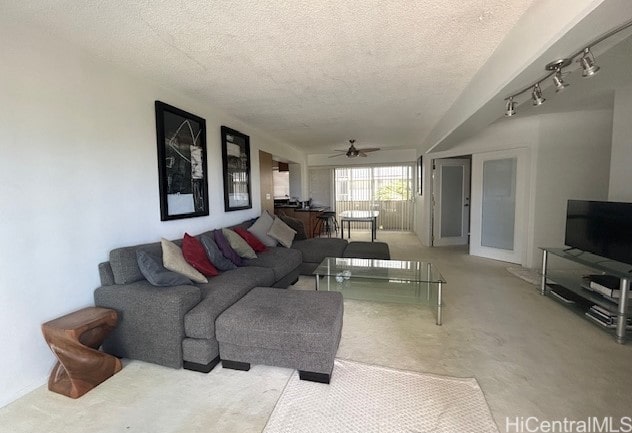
<point>536,95</point>
<point>510,107</point>
<point>587,62</point>
<point>558,80</point>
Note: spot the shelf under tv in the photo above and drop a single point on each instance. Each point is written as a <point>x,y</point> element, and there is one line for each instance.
<point>573,281</point>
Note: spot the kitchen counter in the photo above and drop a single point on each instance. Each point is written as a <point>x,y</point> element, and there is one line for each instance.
<point>311,209</point>
<point>309,217</point>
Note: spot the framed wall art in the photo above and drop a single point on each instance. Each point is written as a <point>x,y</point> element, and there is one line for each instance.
<point>183,181</point>
<point>236,165</point>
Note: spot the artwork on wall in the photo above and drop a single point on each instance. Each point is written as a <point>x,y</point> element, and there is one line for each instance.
<point>183,182</point>
<point>236,164</point>
<point>420,177</point>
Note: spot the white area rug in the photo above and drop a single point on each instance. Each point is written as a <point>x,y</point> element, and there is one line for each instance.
<point>367,398</point>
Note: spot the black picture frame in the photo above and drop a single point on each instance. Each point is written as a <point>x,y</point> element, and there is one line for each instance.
<point>182,164</point>
<point>420,175</point>
<point>236,168</point>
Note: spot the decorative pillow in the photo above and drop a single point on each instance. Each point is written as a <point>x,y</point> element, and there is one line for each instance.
<point>252,240</point>
<point>238,244</point>
<point>296,225</point>
<point>173,260</point>
<point>226,249</point>
<point>260,229</point>
<point>214,254</point>
<point>194,254</point>
<point>282,232</point>
<point>152,269</point>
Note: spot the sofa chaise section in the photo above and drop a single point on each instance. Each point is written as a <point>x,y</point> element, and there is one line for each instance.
<point>200,351</point>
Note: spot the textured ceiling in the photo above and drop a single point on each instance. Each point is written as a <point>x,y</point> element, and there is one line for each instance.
<point>311,72</point>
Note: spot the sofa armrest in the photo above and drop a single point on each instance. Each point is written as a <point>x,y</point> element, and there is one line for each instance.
<point>151,320</point>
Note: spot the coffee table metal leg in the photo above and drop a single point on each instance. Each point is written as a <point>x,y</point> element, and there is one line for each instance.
<point>439,303</point>
<point>317,281</point>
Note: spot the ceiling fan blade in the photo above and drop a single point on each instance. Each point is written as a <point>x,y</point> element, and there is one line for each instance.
<point>369,149</point>
<point>340,150</point>
<point>339,154</point>
<point>362,154</point>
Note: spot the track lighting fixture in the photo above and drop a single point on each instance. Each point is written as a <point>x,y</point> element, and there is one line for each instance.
<point>588,64</point>
<point>536,95</point>
<point>558,80</point>
<point>584,57</point>
<point>510,108</point>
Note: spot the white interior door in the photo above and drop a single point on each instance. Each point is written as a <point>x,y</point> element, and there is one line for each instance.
<point>451,198</point>
<point>499,182</point>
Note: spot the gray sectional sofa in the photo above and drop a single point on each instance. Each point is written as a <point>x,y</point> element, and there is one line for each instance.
<point>175,326</point>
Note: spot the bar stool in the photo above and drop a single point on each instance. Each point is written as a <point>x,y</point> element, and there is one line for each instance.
<point>333,221</point>
<point>326,222</point>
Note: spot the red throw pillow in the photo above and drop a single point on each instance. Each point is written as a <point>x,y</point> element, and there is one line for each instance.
<point>250,239</point>
<point>195,255</point>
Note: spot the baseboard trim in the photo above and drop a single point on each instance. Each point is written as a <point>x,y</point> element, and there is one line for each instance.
<point>201,368</point>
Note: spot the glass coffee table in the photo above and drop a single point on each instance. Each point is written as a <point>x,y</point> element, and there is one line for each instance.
<point>401,281</point>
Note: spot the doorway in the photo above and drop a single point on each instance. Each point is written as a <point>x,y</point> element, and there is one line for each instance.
<point>500,182</point>
<point>451,201</point>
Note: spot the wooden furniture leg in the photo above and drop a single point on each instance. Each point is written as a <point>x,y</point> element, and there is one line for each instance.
<point>75,339</point>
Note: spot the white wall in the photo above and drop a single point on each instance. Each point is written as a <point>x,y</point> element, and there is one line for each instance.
<point>621,162</point>
<point>320,186</point>
<point>573,162</point>
<point>296,182</point>
<point>78,177</point>
<point>569,156</point>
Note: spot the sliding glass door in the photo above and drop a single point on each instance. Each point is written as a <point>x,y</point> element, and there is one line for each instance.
<point>387,189</point>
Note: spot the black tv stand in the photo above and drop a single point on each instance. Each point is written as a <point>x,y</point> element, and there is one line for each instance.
<point>575,283</point>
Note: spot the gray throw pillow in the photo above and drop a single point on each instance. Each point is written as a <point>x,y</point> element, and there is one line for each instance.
<point>260,229</point>
<point>152,269</point>
<point>282,232</point>
<point>215,255</point>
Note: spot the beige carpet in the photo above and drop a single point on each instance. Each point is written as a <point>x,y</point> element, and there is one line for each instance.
<point>367,398</point>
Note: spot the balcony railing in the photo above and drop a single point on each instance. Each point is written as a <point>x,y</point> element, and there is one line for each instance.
<point>394,215</point>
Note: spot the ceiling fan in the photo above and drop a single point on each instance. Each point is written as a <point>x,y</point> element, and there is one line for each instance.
<point>352,152</point>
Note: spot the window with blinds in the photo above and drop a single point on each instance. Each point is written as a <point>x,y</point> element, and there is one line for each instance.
<point>387,189</point>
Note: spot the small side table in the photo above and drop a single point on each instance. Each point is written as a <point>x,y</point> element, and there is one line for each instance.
<point>75,339</point>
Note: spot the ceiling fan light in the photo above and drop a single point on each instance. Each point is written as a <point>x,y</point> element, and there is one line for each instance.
<point>536,95</point>
<point>558,80</point>
<point>510,108</point>
<point>587,62</point>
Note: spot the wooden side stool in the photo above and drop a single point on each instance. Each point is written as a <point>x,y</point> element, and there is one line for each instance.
<point>75,340</point>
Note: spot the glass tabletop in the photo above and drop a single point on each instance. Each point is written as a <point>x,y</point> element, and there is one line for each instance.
<point>360,214</point>
<point>400,270</point>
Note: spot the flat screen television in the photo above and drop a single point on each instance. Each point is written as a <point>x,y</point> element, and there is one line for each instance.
<point>603,228</point>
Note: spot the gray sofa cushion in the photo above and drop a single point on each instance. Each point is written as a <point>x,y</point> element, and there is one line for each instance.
<point>220,293</point>
<point>125,265</point>
<point>316,249</point>
<point>286,320</point>
<point>280,259</point>
<point>154,271</point>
